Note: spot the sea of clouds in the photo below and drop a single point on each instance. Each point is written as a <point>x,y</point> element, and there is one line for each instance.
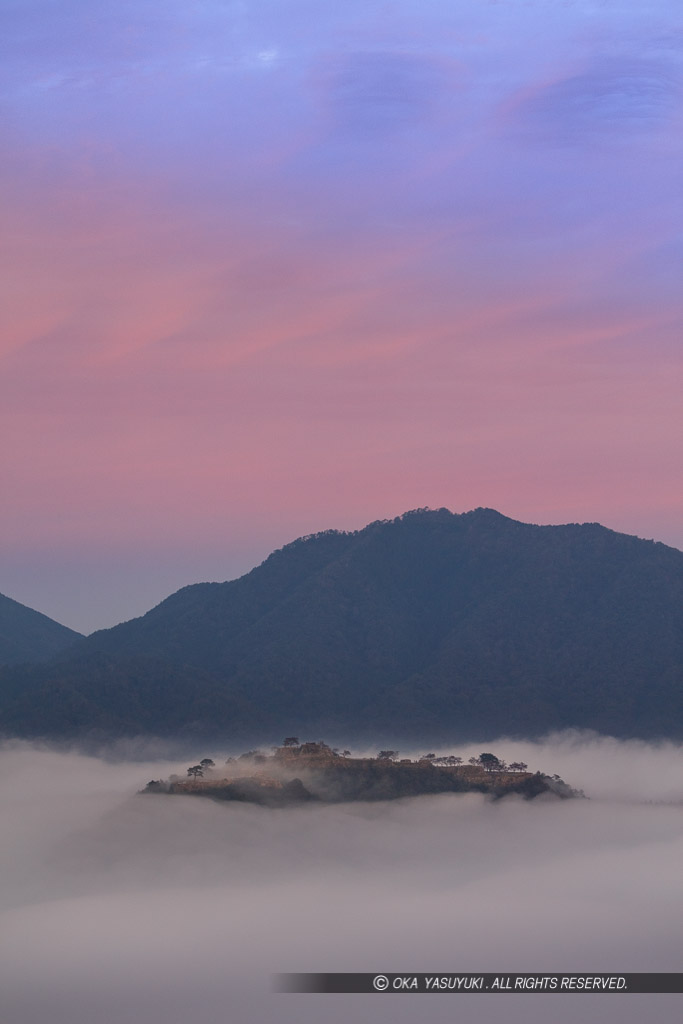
<point>125,909</point>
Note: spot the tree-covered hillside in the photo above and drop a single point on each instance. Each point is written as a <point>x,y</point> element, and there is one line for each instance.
<point>430,624</point>
<point>28,636</point>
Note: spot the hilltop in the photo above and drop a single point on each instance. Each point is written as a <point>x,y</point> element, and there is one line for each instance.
<point>312,771</point>
<point>431,624</point>
<point>30,636</point>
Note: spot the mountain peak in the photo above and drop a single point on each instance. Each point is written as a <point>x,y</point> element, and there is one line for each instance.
<point>27,635</point>
<point>429,624</point>
<point>490,515</point>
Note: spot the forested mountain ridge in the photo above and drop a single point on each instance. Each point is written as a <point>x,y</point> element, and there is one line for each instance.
<point>429,624</point>
<point>27,635</point>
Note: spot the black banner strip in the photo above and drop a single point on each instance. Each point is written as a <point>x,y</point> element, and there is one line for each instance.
<point>470,983</point>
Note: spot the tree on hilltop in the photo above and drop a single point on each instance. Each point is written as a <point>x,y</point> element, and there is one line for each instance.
<point>196,771</point>
<point>489,762</point>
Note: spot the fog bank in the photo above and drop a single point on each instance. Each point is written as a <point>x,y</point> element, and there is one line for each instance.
<point>126,909</point>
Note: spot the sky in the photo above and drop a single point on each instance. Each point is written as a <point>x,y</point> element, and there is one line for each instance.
<point>277,267</point>
<point>125,909</point>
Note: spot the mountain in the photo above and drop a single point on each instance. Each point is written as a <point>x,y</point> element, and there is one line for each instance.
<point>26,635</point>
<point>429,625</point>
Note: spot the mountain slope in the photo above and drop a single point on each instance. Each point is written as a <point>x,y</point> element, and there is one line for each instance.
<point>430,624</point>
<point>27,635</point>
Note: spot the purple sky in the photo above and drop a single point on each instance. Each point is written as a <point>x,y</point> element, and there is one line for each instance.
<point>277,267</point>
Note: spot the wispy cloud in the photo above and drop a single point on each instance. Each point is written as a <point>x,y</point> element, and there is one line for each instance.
<point>611,100</point>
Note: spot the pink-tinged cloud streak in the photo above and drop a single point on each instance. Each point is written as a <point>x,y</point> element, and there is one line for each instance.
<point>275,268</point>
